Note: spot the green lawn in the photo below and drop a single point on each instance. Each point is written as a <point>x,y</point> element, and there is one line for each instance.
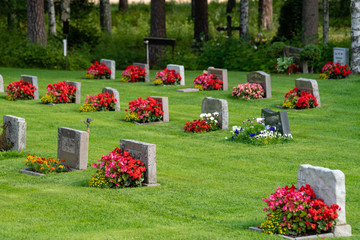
<point>210,188</point>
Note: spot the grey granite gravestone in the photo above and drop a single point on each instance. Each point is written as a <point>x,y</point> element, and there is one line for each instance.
<point>73,147</point>
<point>164,106</point>
<point>145,152</point>
<point>309,85</point>
<point>1,84</point>
<point>188,90</point>
<point>77,98</point>
<point>279,120</point>
<point>15,132</point>
<point>263,79</point>
<point>178,69</point>
<point>328,185</point>
<point>110,64</point>
<point>147,70</point>
<point>116,96</point>
<point>221,74</point>
<point>34,81</point>
<point>211,105</point>
<point>341,56</point>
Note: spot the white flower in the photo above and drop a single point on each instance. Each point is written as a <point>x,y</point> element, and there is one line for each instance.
<point>202,115</point>
<point>215,121</point>
<point>260,120</point>
<point>212,118</point>
<point>208,115</point>
<point>226,138</point>
<point>216,114</point>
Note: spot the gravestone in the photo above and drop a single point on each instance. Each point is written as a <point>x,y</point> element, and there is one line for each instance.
<point>221,74</point>
<point>147,70</point>
<point>279,120</point>
<point>34,81</point>
<point>110,64</point>
<point>309,85</point>
<point>178,69</point>
<point>164,105</point>
<point>1,84</point>
<point>328,185</point>
<point>73,147</point>
<point>211,105</point>
<point>341,56</point>
<point>145,152</point>
<point>116,96</point>
<point>263,79</point>
<point>16,132</point>
<point>188,90</point>
<point>77,98</point>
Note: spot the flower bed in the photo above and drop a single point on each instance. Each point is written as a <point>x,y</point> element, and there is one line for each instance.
<point>167,77</point>
<point>294,212</point>
<point>133,73</point>
<point>45,165</point>
<point>334,71</point>
<point>99,102</point>
<point>59,92</point>
<point>98,71</point>
<point>209,122</point>
<point>299,99</point>
<point>207,82</point>
<point>254,131</point>
<point>20,90</point>
<point>144,111</point>
<point>118,170</point>
<point>286,65</point>
<point>248,91</point>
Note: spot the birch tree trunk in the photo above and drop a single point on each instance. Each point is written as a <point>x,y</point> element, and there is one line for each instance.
<point>201,22</point>
<point>157,29</point>
<point>355,36</point>
<point>36,22</point>
<point>65,15</point>
<point>105,16</point>
<point>326,22</point>
<point>51,13</point>
<point>244,18</point>
<point>310,19</point>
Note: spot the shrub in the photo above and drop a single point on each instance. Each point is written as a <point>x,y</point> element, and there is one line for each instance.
<point>197,126</point>
<point>146,110</point>
<point>310,54</point>
<point>99,102</point>
<point>299,99</point>
<point>20,90</point>
<point>59,92</point>
<point>168,77</point>
<point>133,74</point>
<point>248,91</point>
<point>335,71</point>
<point>286,64</point>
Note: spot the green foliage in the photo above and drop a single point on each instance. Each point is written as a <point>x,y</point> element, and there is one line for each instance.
<point>310,53</point>
<point>275,49</point>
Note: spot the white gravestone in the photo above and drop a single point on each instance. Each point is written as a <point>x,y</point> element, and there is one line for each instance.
<point>147,70</point>
<point>116,96</point>
<point>1,84</point>
<point>77,98</point>
<point>263,79</point>
<point>34,81</point>
<point>211,105</point>
<point>341,56</point>
<point>178,69</point>
<point>15,132</point>
<point>328,185</point>
<point>309,85</point>
<point>111,65</point>
<point>221,74</point>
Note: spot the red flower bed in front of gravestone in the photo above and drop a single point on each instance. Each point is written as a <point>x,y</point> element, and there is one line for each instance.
<point>248,91</point>
<point>207,82</point>
<point>335,71</point>
<point>167,77</point>
<point>20,90</point>
<point>99,102</point>
<point>297,212</point>
<point>209,122</point>
<point>133,73</point>
<point>118,170</point>
<point>98,71</point>
<point>299,99</point>
<point>144,110</point>
<point>59,92</point>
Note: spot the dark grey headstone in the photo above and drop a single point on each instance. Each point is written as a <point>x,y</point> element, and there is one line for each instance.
<point>77,98</point>
<point>110,64</point>
<point>263,79</point>
<point>309,85</point>
<point>147,70</point>
<point>34,81</point>
<point>116,96</point>
<point>221,74</point>
<point>279,120</point>
<point>16,132</point>
<point>211,105</point>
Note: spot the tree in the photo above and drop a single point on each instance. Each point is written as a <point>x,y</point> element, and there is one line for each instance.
<point>157,29</point>
<point>201,22</point>
<point>244,18</point>
<point>36,22</point>
<point>326,22</point>
<point>51,13</point>
<point>123,5</point>
<point>65,15</point>
<point>105,16</point>
<point>355,36</point>
<point>11,15</point>
<point>310,19</point>
<point>230,6</point>
<point>265,14</point>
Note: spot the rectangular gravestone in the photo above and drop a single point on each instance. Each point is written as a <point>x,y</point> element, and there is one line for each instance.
<point>178,69</point>
<point>279,120</point>
<point>145,152</point>
<point>188,90</point>
<point>165,107</point>
<point>73,147</point>
<point>221,74</point>
<point>110,64</point>
<point>147,70</point>
<point>328,185</point>
<point>341,56</point>
<point>116,96</point>
<point>263,79</point>
<point>77,98</point>
<point>15,132</point>
<point>309,85</point>
<point>211,105</point>
<point>34,81</point>
<point>1,84</point>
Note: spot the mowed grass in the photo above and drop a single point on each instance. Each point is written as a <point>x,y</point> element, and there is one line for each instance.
<point>210,188</point>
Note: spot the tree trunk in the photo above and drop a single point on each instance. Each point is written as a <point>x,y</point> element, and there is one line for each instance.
<point>260,14</point>
<point>51,13</point>
<point>105,16</point>
<point>355,36</point>
<point>123,6</point>
<point>267,13</point>
<point>326,22</point>
<point>201,22</point>
<point>231,4</point>
<point>244,18</point>
<point>11,16</point>
<point>36,22</point>
<point>157,29</point>
<point>65,15</point>
<point>310,20</point>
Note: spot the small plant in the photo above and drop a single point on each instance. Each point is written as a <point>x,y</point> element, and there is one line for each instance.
<point>335,71</point>
<point>286,65</point>
<point>99,102</point>
<point>168,77</point>
<point>59,92</point>
<point>158,82</point>
<point>146,110</point>
<point>5,144</point>
<point>209,122</point>
<point>299,99</point>
<point>248,91</point>
<point>45,165</point>
<point>258,41</point>
<point>310,54</point>
<point>207,82</point>
<point>133,73</point>
<point>20,90</point>
<point>98,71</point>
<point>118,170</point>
